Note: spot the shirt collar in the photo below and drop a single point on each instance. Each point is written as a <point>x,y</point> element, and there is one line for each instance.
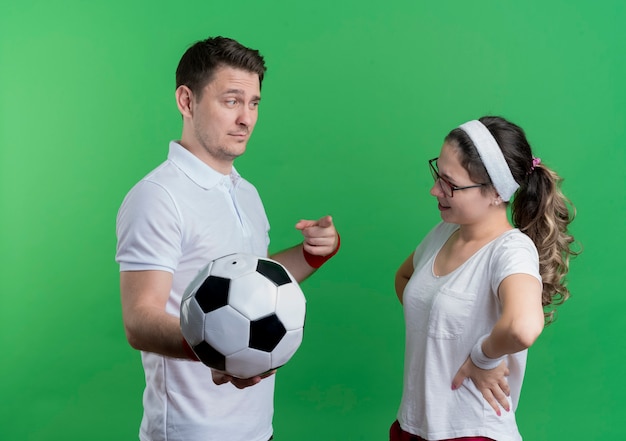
<point>199,172</point>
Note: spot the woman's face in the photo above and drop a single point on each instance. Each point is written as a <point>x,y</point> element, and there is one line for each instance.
<point>461,205</point>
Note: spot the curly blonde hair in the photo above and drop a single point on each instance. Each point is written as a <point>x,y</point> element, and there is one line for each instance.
<point>539,207</point>
<point>546,224</point>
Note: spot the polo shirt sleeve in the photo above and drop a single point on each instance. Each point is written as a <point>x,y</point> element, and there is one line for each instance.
<point>148,230</point>
<point>516,254</point>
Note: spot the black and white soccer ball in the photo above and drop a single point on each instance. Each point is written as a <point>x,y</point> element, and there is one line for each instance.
<point>243,315</point>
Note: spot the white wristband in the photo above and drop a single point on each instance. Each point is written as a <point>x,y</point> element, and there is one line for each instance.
<point>480,359</point>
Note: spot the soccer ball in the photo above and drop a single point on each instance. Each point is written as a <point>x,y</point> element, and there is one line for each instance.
<point>243,315</point>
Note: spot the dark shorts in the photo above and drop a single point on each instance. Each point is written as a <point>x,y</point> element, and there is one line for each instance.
<point>397,434</point>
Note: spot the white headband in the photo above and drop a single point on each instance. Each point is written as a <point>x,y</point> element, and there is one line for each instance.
<point>492,158</point>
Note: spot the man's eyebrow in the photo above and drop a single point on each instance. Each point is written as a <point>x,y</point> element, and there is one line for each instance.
<point>233,92</point>
<point>240,92</point>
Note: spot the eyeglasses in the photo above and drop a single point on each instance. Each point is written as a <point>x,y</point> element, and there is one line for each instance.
<point>446,186</point>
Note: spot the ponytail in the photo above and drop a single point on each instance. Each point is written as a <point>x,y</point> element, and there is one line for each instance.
<point>542,212</point>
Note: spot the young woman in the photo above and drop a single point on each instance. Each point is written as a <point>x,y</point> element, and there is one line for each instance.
<point>478,291</point>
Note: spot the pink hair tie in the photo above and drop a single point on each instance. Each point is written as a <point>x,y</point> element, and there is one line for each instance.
<point>536,162</point>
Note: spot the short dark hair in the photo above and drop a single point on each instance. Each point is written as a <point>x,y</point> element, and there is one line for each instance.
<point>198,64</point>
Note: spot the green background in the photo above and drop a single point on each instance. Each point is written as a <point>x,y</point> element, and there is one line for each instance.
<point>358,96</point>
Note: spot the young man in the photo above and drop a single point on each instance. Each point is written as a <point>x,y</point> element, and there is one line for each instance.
<point>192,209</point>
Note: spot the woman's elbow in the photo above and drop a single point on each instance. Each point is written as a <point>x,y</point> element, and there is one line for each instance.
<point>525,334</point>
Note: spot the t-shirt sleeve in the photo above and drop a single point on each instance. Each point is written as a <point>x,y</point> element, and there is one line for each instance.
<point>148,230</point>
<point>516,254</point>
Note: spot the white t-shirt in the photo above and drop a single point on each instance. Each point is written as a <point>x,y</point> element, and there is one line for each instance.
<point>177,219</point>
<point>445,316</point>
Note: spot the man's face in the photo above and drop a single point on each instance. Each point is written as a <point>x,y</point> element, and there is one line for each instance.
<point>225,115</point>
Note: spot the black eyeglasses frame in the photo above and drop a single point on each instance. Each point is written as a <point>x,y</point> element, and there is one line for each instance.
<point>438,178</point>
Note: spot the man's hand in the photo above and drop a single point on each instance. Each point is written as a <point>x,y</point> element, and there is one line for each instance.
<point>220,377</point>
<point>491,383</point>
<point>320,236</point>
<point>321,242</point>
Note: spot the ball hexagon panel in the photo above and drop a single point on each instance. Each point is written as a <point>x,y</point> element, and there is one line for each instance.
<point>233,265</point>
<point>192,321</point>
<point>291,306</point>
<point>226,330</point>
<point>248,363</point>
<point>253,295</point>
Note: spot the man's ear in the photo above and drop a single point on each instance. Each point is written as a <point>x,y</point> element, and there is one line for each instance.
<point>184,101</point>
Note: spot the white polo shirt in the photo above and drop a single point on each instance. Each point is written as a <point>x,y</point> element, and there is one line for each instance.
<point>177,219</point>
